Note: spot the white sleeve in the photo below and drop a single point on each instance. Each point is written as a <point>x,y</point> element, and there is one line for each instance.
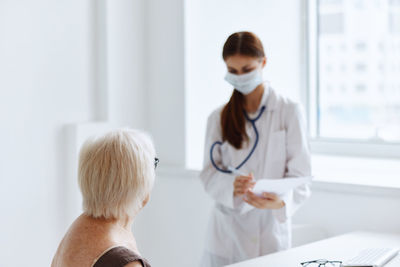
<point>217,184</point>
<point>298,162</point>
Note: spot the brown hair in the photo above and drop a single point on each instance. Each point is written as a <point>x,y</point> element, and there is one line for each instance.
<point>232,116</point>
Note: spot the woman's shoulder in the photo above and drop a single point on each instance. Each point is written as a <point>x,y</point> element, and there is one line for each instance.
<point>215,115</point>
<point>217,111</point>
<point>281,101</point>
<point>82,243</point>
<point>120,256</point>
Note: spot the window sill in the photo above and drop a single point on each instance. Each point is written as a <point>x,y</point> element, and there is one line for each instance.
<point>376,172</point>
<point>348,175</point>
<point>351,148</point>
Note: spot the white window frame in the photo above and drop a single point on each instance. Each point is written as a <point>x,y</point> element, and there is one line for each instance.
<point>332,146</point>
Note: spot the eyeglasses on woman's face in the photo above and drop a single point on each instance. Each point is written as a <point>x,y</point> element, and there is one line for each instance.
<point>156,161</point>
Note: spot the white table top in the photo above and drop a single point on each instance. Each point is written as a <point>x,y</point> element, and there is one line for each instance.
<point>336,248</point>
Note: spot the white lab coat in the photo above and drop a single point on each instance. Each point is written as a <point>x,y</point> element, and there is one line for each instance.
<point>282,151</point>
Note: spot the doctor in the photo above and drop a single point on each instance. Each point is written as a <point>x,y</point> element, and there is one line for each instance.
<point>258,134</point>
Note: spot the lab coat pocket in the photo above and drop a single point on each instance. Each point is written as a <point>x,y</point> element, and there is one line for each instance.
<point>277,153</point>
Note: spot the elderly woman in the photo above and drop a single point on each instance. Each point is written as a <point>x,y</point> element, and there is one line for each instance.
<point>116,175</point>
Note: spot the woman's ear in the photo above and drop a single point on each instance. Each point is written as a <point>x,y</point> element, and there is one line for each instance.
<point>264,62</point>
<point>146,199</point>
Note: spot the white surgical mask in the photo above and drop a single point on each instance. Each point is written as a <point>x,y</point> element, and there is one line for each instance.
<point>245,83</point>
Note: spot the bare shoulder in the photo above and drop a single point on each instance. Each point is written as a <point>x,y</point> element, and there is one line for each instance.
<point>83,242</point>
<point>134,264</point>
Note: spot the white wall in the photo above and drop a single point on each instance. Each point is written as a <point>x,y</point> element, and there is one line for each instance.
<point>340,208</point>
<point>165,79</point>
<point>51,78</point>
<point>45,83</point>
<point>171,229</point>
<point>126,62</point>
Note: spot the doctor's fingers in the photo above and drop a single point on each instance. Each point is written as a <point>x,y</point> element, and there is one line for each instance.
<point>252,202</point>
<point>244,186</point>
<point>239,192</point>
<point>270,196</point>
<point>243,178</point>
<point>255,199</point>
<point>239,182</point>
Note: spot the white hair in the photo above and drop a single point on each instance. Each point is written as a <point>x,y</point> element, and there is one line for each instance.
<point>116,173</point>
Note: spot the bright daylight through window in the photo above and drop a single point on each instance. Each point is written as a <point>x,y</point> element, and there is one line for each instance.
<point>357,70</point>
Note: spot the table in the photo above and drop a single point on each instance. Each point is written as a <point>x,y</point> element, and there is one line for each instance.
<point>341,248</point>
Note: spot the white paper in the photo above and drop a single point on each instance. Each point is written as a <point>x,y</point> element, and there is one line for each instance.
<point>279,186</point>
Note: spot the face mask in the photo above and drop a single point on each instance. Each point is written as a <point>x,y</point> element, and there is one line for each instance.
<point>245,83</point>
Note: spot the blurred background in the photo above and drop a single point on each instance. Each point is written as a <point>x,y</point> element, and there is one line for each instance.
<point>71,69</point>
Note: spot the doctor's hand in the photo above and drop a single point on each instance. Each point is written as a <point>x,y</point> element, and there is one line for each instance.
<point>266,201</point>
<point>242,184</point>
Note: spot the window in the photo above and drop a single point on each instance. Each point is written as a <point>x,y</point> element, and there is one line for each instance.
<point>357,103</point>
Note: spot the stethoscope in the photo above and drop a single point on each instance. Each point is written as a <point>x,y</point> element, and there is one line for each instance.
<point>232,169</point>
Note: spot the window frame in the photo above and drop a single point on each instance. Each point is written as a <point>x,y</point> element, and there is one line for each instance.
<point>323,145</point>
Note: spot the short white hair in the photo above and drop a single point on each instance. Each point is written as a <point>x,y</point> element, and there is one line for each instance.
<point>116,173</point>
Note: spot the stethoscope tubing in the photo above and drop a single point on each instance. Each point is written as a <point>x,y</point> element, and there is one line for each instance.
<point>253,123</point>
